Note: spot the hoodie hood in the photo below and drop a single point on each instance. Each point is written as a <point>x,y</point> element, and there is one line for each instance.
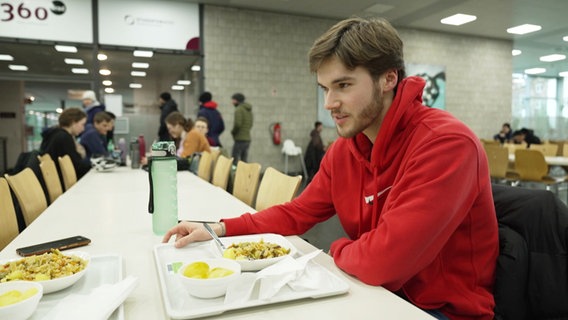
<point>50,132</point>
<point>209,105</point>
<point>246,106</point>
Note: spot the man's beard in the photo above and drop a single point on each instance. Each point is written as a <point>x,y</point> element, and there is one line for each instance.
<point>365,118</point>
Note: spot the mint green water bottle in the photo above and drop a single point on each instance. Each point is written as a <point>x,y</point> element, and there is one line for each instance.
<point>162,171</point>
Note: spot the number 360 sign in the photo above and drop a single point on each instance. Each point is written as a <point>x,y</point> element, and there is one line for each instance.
<point>59,20</point>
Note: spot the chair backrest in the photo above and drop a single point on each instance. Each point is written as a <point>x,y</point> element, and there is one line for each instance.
<point>530,164</point>
<point>204,168</point>
<point>29,193</point>
<point>67,171</point>
<point>8,221</point>
<point>222,171</point>
<point>50,176</point>
<point>247,177</point>
<point>276,188</point>
<point>215,153</point>
<point>548,149</point>
<point>512,147</point>
<point>290,148</point>
<point>498,158</point>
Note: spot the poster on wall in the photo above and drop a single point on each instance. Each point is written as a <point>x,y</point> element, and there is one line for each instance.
<point>62,20</point>
<point>151,24</point>
<point>434,94</point>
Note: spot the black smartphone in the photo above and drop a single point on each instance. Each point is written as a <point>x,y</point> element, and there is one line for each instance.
<point>62,244</point>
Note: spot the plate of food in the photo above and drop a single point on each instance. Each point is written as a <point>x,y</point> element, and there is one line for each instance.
<point>258,251</point>
<point>53,270</point>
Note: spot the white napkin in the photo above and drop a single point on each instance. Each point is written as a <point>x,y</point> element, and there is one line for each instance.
<point>271,279</point>
<point>99,304</point>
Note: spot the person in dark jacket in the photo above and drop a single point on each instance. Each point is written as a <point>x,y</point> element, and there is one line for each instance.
<point>208,110</point>
<point>315,151</point>
<point>526,136</point>
<point>94,138</point>
<point>59,141</point>
<point>91,105</point>
<point>167,106</point>
<point>241,128</point>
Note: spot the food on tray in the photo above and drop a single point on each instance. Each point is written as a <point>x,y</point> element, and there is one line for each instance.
<point>15,296</point>
<point>47,266</point>
<point>201,270</point>
<point>254,250</point>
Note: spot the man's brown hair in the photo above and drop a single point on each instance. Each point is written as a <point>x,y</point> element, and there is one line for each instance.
<point>70,116</point>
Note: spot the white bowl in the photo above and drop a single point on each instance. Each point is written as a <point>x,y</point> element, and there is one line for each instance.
<point>25,308</point>
<point>57,284</point>
<point>213,287</point>
<point>259,264</point>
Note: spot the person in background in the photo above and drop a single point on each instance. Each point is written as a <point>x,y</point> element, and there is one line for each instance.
<point>315,151</point>
<point>410,184</point>
<point>61,140</point>
<point>241,128</point>
<point>208,110</point>
<point>92,105</point>
<point>526,136</point>
<point>94,138</point>
<point>110,133</point>
<point>505,135</point>
<point>167,106</point>
<point>191,139</point>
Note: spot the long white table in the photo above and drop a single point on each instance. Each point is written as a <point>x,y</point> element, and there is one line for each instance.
<point>552,161</point>
<point>111,209</point>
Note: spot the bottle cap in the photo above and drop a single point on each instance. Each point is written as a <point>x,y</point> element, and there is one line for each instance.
<point>163,149</point>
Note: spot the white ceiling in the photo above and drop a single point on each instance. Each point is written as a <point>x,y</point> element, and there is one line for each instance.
<point>493,18</point>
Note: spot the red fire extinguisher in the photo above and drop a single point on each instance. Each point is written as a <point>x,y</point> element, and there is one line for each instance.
<point>275,130</point>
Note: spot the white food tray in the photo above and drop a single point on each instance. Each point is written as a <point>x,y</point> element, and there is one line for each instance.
<point>103,269</point>
<point>180,305</point>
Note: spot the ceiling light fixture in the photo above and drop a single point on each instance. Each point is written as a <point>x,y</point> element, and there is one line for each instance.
<point>105,72</point>
<point>143,53</point>
<point>524,29</point>
<point>563,74</point>
<point>138,73</point>
<point>535,70</point>
<point>516,52</point>
<point>135,85</point>
<point>73,61</point>
<point>80,70</point>
<point>109,90</point>
<point>184,82</point>
<point>61,48</point>
<point>195,68</point>
<point>17,67</point>
<point>552,57</point>
<point>6,57</point>
<point>458,19</point>
<point>140,65</point>
<point>174,87</point>
<point>107,83</point>
<point>102,56</point>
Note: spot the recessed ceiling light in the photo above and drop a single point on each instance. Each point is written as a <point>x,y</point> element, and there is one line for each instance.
<point>102,57</point>
<point>143,53</point>
<point>138,73</point>
<point>535,70</point>
<point>140,65</point>
<point>524,29</point>
<point>59,110</point>
<point>458,19</point>
<point>109,90</point>
<point>80,70</point>
<point>184,82</point>
<point>61,48</point>
<point>6,57</point>
<point>563,74</point>
<point>73,61</point>
<point>174,87</point>
<point>516,52</point>
<point>552,57</point>
<point>107,83</point>
<point>18,67</point>
<point>195,68</point>
<point>135,85</point>
<point>104,72</point>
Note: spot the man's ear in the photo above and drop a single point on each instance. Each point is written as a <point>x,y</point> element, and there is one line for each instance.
<point>391,80</point>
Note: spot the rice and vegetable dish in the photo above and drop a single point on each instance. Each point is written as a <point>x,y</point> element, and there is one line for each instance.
<point>254,250</point>
<point>47,266</point>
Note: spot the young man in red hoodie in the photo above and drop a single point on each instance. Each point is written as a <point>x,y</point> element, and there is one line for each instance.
<point>410,184</point>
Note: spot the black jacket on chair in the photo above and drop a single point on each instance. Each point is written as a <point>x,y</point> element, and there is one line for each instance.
<point>532,268</point>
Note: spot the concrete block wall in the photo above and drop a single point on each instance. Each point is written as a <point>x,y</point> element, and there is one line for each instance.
<point>264,56</point>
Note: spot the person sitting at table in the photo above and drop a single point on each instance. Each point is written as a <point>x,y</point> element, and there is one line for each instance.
<point>191,137</point>
<point>526,136</point>
<point>505,135</point>
<point>94,139</point>
<point>61,140</point>
<point>410,184</point>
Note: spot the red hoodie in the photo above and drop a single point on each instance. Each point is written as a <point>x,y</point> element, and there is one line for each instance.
<point>431,235</point>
